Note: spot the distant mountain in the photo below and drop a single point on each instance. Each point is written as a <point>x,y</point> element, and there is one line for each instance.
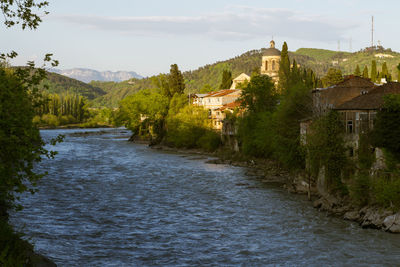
<point>88,75</point>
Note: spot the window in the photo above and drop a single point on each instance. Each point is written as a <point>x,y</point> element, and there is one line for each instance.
<point>350,126</point>
<point>266,65</point>
<point>273,64</point>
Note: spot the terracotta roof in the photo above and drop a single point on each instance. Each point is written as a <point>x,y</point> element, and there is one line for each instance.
<point>232,105</point>
<point>221,93</point>
<point>372,100</point>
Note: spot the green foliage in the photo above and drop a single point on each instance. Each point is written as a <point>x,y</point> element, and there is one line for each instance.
<point>365,152</point>
<point>20,141</point>
<point>334,76</point>
<point>385,72</point>
<point>259,95</point>
<point>116,91</point>
<point>357,72</point>
<point>325,146</point>
<point>284,69</point>
<point>361,189</point>
<point>59,84</point>
<point>190,128</point>
<point>373,71</point>
<point>144,105</point>
<point>295,105</point>
<point>177,103</point>
<point>365,72</point>
<point>270,130</point>
<point>387,191</point>
<point>12,248</point>
<point>176,83</point>
<point>386,133</point>
<point>398,72</point>
<point>256,134</point>
<point>226,80</point>
<point>22,12</point>
<point>206,89</point>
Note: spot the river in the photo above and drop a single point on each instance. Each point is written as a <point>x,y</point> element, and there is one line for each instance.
<point>109,202</point>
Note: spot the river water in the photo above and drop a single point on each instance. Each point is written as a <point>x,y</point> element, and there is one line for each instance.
<point>108,202</point>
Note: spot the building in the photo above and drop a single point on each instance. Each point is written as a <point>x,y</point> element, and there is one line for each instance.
<point>358,114</point>
<point>219,115</point>
<point>241,79</point>
<point>356,99</point>
<point>197,99</point>
<point>325,99</point>
<point>270,62</point>
<point>217,99</point>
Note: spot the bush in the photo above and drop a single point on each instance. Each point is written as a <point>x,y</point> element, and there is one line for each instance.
<point>360,189</point>
<point>50,120</point>
<point>387,192</point>
<point>210,141</point>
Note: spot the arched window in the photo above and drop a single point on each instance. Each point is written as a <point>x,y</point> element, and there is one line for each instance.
<point>266,65</point>
<point>273,64</point>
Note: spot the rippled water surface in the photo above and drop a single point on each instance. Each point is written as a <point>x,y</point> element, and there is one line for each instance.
<point>108,202</point>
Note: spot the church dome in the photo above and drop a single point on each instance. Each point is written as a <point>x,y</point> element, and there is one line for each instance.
<point>272,51</point>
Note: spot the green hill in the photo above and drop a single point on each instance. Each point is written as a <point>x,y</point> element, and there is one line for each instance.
<point>116,91</point>
<point>60,84</point>
<point>319,60</point>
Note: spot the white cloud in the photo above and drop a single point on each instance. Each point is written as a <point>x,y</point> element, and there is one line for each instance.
<point>235,23</point>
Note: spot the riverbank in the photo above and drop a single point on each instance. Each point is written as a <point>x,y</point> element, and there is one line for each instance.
<point>15,251</point>
<point>269,171</point>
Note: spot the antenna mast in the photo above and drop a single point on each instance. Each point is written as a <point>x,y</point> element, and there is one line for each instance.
<point>372,32</point>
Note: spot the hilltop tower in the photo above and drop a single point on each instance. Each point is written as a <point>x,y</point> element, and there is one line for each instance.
<point>270,62</point>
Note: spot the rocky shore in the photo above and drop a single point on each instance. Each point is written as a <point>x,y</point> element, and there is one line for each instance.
<point>269,171</point>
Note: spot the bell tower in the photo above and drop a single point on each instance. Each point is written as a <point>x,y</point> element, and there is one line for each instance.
<point>270,62</point>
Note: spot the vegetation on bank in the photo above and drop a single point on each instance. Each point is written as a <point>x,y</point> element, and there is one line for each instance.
<point>20,141</point>
<point>21,147</point>
<point>270,126</point>
<point>163,115</point>
<point>353,173</point>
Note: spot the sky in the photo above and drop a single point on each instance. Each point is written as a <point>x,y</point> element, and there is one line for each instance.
<point>148,36</point>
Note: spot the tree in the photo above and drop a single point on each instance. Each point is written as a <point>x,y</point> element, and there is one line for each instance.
<point>206,89</point>
<point>332,77</point>
<point>365,72</point>
<point>176,81</point>
<point>284,69</point>
<point>357,72</point>
<point>373,71</point>
<point>398,72</point>
<point>260,94</point>
<point>226,80</point>
<point>385,72</point>
<point>22,12</point>
<point>326,148</point>
<point>386,132</point>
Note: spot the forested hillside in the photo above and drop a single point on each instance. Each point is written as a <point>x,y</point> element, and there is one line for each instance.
<point>59,84</point>
<point>209,76</point>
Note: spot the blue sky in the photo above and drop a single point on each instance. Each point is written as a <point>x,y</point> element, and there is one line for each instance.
<point>148,36</point>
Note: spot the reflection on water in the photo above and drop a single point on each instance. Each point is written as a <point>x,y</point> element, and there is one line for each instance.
<point>108,202</point>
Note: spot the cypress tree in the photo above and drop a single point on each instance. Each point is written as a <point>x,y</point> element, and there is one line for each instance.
<point>226,80</point>
<point>175,80</point>
<point>373,71</point>
<point>385,71</point>
<point>365,72</point>
<point>398,72</point>
<point>284,69</point>
<point>357,72</point>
